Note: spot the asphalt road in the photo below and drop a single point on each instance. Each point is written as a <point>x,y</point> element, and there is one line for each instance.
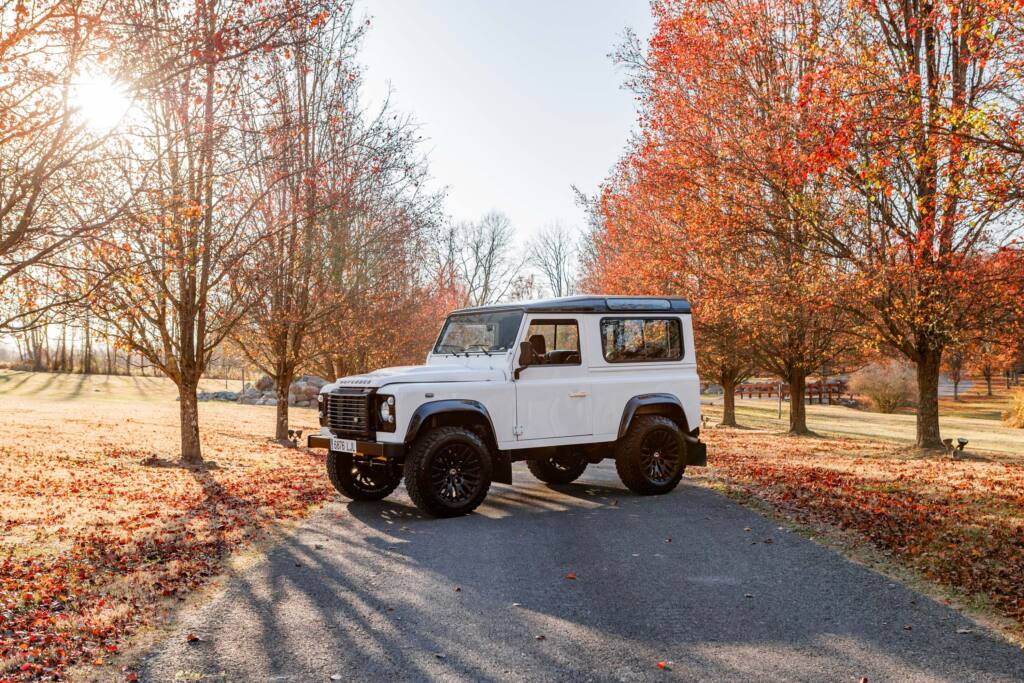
<point>375,592</point>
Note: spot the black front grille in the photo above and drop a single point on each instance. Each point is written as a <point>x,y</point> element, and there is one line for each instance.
<point>348,414</point>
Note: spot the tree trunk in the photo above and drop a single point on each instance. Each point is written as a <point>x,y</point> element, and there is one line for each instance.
<point>987,372</point>
<point>281,433</point>
<point>191,450</point>
<point>956,390</point>
<point>797,410</point>
<point>928,365</point>
<point>728,382</point>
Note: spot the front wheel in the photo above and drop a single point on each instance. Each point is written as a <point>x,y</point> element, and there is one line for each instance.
<point>563,467</point>
<point>650,459</point>
<point>361,479</point>
<point>448,472</point>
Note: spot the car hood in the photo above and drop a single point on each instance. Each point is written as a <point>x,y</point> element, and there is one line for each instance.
<point>418,374</point>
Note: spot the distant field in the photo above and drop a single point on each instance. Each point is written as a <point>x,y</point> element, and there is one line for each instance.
<point>975,417</point>
<point>101,526</point>
<point>66,387</point>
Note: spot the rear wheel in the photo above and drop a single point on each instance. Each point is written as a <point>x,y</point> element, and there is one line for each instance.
<point>361,479</point>
<point>448,472</point>
<point>650,459</point>
<point>563,467</point>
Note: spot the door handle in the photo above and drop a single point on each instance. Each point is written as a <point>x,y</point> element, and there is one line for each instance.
<point>578,394</point>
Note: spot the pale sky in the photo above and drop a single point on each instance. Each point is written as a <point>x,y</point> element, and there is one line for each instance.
<point>518,100</point>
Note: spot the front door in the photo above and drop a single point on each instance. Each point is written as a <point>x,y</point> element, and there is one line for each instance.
<point>553,393</point>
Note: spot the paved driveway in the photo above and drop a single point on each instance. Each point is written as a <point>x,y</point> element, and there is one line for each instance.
<point>375,592</point>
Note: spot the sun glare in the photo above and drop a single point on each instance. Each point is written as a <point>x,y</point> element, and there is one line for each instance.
<point>101,101</point>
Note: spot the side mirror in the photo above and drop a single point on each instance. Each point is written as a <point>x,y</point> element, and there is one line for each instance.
<point>525,357</point>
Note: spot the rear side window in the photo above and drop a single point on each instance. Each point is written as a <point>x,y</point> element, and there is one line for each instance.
<point>634,340</point>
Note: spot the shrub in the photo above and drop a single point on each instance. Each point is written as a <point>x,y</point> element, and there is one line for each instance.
<point>1014,417</point>
<point>889,385</point>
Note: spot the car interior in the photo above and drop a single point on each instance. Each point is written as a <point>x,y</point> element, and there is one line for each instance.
<point>559,334</point>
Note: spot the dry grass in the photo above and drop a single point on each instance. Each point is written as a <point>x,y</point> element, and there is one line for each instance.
<point>101,525</point>
<point>975,417</point>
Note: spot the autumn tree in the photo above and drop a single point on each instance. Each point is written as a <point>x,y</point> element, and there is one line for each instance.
<point>916,114</point>
<point>380,225</point>
<point>175,293</point>
<point>722,85</point>
<point>48,152</point>
<point>298,129</point>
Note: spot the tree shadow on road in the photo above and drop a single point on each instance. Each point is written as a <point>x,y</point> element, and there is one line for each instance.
<point>378,591</point>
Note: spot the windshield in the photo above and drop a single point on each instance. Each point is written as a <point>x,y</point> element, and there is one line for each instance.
<point>479,332</point>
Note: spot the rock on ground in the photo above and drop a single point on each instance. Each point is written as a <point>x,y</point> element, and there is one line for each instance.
<point>301,393</point>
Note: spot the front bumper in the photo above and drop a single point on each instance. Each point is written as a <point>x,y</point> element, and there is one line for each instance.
<point>371,448</point>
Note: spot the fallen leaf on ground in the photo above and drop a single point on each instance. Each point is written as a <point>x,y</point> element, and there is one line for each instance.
<point>571,576</point>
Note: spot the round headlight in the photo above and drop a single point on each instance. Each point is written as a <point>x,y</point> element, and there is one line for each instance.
<point>385,410</point>
<point>319,398</point>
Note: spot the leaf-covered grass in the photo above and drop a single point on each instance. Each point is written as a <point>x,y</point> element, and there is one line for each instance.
<point>101,527</point>
<point>959,523</point>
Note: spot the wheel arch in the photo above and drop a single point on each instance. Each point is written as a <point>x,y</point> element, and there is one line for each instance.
<point>451,413</point>
<point>653,404</point>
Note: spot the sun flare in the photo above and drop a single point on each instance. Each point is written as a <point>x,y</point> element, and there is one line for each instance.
<point>101,101</point>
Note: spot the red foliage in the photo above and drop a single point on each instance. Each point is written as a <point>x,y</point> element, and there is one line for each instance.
<point>78,605</point>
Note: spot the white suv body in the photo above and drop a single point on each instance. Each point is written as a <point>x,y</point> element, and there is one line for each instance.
<point>559,383</point>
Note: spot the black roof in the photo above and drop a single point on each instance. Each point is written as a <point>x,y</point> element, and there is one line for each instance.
<point>589,303</point>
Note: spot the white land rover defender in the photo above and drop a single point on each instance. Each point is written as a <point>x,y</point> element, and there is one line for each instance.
<point>559,383</point>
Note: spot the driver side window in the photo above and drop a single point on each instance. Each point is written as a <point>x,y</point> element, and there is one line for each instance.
<point>554,342</point>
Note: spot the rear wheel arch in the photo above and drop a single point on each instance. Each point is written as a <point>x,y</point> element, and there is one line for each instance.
<point>653,404</point>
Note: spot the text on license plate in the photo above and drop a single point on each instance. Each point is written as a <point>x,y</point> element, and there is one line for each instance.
<point>343,445</point>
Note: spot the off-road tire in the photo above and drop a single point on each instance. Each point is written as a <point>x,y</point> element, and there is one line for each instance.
<point>346,478</point>
<point>432,459</point>
<point>638,468</point>
<point>558,469</point>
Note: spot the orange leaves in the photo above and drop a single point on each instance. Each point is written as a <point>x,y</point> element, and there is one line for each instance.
<point>141,534</point>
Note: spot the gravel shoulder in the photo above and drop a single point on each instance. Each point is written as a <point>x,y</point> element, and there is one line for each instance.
<point>375,591</point>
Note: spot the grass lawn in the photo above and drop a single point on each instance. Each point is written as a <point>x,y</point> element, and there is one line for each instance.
<point>975,417</point>
<point>103,531</point>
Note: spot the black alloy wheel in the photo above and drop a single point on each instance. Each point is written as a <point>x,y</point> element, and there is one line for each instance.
<point>456,473</point>
<point>360,478</point>
<point>651,457</point>
<point>660,455</point>
<point>564,467</point>
<point>448,471</point>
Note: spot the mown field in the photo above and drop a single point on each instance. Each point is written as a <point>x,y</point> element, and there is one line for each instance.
<point>103,531</point>
<point>104,534</point>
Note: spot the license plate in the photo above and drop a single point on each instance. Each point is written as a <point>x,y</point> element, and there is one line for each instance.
<point>343,445</point>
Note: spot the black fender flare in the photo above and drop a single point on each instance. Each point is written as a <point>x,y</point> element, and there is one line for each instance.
<point>637,402</point>
<point>425,411</point>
